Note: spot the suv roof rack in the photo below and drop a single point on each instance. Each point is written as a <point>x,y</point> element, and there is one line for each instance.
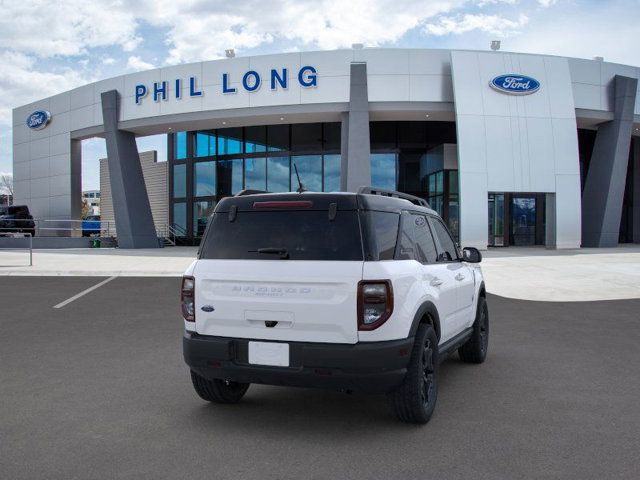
<point>242,193</point>
<point>392,193</point>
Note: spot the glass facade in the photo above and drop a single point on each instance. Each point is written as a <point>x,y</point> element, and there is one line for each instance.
<point>212,164</point>
<point>409,157</point>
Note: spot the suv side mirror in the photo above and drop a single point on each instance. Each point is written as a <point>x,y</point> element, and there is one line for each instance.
<point>471,255</point>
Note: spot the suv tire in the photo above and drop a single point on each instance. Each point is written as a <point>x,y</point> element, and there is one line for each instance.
<point>218,391</point>
<point>475,349</point>
<point>415,399</point>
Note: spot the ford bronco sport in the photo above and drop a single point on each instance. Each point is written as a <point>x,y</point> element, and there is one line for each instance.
<point>358,291</point>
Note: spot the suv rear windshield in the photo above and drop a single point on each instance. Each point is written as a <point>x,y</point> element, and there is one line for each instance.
<point>272,235</point>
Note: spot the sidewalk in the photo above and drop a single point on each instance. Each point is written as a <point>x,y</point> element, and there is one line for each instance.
<point>535,273</point>
<point>521,273</point>
<point>154,262</point>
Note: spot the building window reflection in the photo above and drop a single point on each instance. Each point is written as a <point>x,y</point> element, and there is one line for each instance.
<point>222,162</point>
<point>384,170</point>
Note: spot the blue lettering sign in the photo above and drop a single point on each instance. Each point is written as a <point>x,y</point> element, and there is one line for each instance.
<point>515,84</point>
<point>275,77</point>
<point>225,84</point>
<point>157,90</point>
<point>192,88</point>
<point>311,79</point>
<point>251,86</point>
<point>141,92</point>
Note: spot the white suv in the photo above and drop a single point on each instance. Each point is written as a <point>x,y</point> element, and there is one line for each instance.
<point>358,291</point>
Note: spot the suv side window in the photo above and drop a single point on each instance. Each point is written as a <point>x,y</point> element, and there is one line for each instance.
<point>406,240</point>
<point>447,250</point>
<point>425,246</point>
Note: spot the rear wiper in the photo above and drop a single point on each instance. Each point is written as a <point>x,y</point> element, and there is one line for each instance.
<point>283,252</point>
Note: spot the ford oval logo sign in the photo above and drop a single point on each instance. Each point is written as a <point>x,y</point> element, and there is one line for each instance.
<point>38,119</point>
<point>515,84</point>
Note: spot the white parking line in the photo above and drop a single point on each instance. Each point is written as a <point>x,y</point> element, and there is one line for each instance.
<point>84,292</point>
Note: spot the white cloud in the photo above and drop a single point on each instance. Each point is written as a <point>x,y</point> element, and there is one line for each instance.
<point>21,83</point>
<point>547,3</point>
<point>46,28</point>
<point>492,24</point>
<point>325,24</point>
<point>108,61</point>
<point>136,63</point>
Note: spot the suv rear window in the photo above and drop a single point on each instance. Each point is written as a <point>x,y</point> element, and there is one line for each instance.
<point>303,234</point>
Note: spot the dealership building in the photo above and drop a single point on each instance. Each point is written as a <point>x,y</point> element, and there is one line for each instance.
<point>511,149</point>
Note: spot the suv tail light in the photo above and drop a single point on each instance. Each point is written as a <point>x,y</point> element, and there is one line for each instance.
<point>187,298</point>
<point>375,303</point>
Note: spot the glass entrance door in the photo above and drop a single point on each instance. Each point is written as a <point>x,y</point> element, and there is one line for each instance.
<point>496,220</point>
<point>523,220</point>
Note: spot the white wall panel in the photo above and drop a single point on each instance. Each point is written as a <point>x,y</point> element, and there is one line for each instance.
<point>21,191</point>
<point>81,97</point>
<point>473,208</point>
<point>526,140</point>
<point>39,168</point>
<point>60,103</point>
<point>568,211</point>
<point>473,149</point>
<point>60,185</point>
<point>429,62</point>
<point>384,61</point>
<point>541,155</point>
<point>328,64</point>
<point>587,96</point>
<point>498,134</point>
<point>60,123</point>
<point>330,89</point>
<point>585,71</point>
<point>39,207</point>
<point>59,144</point>
<point>388,88</point>
<point>21,152</point>
<point>39,148</point>
<point>39,188</point>
<point>59,165</point>
<point>20,133</point>
<point>81,117</point>
<point>430,88</point>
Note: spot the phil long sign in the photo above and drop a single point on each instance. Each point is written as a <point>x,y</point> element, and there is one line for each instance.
<point>251,81</point>
<point>515,84</point>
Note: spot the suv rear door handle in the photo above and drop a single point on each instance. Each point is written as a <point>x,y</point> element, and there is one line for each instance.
<point>436,282</point>
<point>459,277</point>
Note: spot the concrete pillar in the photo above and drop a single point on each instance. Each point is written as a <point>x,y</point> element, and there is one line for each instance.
<point>131,208</point>
<point>636,190</point>
<point>604,187</point>
<point>550,222</point>
<point>356,148</point>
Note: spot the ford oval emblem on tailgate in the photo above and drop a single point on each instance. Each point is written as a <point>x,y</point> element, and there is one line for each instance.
<point>207,308</point>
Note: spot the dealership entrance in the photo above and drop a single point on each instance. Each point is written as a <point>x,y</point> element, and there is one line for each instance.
<point>516,219</point>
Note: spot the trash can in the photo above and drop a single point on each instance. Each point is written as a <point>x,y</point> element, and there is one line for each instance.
<point>95,243</point>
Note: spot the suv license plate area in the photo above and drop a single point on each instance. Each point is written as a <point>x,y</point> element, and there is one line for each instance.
<point>269,353</point>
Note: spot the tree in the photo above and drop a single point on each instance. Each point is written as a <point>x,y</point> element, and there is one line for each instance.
<point>6,184</point>
<point>86,208</point>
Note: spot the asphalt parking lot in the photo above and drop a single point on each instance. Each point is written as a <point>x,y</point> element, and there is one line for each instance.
<point>98,389</point>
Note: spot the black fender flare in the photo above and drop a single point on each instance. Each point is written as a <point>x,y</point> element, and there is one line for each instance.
<point>427,308</point>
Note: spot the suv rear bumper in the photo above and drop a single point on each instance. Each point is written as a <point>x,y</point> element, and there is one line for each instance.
<point>373,367</point>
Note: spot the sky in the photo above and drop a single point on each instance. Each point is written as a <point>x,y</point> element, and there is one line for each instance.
<point>49,47</point>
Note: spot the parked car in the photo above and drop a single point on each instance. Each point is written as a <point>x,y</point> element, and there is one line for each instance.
<point>357,292</point>
<point>17,219</point>
<point>91,226</point>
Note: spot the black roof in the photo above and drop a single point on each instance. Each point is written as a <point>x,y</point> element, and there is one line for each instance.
<point>321,201</point>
